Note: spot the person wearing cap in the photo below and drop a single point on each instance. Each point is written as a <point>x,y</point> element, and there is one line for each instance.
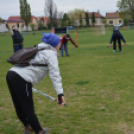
<point>116,36</point>
<point>64,43</point>
<point>16,36</point>
<point>20,81</point>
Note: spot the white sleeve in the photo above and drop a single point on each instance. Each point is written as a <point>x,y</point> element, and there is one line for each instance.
<point>55,74</point>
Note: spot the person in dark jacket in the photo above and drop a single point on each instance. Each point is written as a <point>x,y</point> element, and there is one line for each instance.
<point>117,36</point>
<point>64,43</point>
<point>16,36</point>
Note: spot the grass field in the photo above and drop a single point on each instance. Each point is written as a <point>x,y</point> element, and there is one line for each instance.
<point>98,88</point>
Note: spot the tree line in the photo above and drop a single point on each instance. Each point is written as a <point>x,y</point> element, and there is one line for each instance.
<point>126,8</point>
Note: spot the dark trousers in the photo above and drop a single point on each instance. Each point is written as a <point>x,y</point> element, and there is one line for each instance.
<point>21,93</point>
<point>119,44</point>
<point>17,47</point>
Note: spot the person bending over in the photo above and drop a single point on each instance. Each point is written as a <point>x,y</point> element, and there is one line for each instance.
<point>64,43</point>
<point>117,36</point>
<point>21,79</point>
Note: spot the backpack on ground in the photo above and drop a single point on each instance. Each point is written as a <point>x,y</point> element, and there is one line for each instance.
<point>23,56</point>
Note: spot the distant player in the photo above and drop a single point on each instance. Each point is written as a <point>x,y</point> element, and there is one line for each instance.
<point>64,43</point>
<point>116,36</point>
<point>16,36</point>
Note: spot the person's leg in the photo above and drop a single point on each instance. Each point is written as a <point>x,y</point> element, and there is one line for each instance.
<point>23,94</point>
<point>66,49</point>
<point>114,45</point>
<point>20,47</point>
<point>119,43</point>
<point>16,102</point>
<point>16,48</point>
<point>61,49</point>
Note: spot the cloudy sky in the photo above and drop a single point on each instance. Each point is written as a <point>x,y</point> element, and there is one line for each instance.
<point>11,7</point>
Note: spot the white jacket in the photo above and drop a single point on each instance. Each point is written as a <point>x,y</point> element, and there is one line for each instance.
<point>35,74</point>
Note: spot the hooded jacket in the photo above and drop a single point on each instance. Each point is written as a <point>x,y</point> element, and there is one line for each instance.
<point>35,74</point>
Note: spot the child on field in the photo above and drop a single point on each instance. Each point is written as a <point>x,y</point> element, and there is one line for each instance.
<point>116,36</point>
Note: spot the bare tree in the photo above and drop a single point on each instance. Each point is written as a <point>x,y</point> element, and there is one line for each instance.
<point>59,18</point>
<point>51,11</point>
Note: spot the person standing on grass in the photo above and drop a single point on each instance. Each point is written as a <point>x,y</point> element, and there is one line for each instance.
<point>21,79</point>
<point>116,36</point>
<point>64,42</point>
<point>16,36</point>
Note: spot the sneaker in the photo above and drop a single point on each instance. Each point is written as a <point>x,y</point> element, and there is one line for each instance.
<point>44,131</point>
<point>28,130</point>
<point>67,55</point>
<point>121,51</point>
<point>114,51</point>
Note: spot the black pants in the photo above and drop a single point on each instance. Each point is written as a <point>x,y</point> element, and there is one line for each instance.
<point>119,43</point>
<point>21,93</point>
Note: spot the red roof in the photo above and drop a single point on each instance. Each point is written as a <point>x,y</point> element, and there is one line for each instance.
<point>97,15</point>
<point>112,15</point>
<point>45,18</point>
<point>17,18</point>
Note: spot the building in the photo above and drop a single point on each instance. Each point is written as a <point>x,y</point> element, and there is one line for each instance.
<point>98,18</point>
<point>15,20</point>
<point>3,26</point>
<point>113,18</point>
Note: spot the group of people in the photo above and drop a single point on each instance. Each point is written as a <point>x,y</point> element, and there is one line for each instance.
<point>21,79</point>
<point>15,32</point>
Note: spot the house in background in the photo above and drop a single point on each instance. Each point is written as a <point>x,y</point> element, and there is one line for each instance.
<point>113,18</point>
<point>14,20</point>
<point>3,26</point>
<point>98,18</point>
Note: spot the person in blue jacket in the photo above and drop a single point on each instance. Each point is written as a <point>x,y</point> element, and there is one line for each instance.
<point>117,36</point>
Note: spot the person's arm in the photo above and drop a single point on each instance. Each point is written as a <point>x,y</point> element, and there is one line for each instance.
<point>21,27</point>
<point>111,38</point>
<point>61,41</point>
<point>73,42</point>
<point>9,29</point>
<point>122,38</point>
<point>55,77</point>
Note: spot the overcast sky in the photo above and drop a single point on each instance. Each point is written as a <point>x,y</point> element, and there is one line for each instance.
<point>11,7</point>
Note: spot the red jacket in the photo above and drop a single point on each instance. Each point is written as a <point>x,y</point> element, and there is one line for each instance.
<point>64,40</point>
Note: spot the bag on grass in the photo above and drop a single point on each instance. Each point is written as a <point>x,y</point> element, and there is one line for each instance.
<point>23,56</point>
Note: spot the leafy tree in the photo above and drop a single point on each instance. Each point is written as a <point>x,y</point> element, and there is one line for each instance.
<point>25,12</point>
<point>65,19</point>
<point>32,26</point>
<point>81,19</point>
<point>93,18</point>
<point>69,21</point>
<point>104,21</point>
<point>126,7</point>
<point>40,25</point>
<point>125,22</point>
<point>74,15</point>
<point>87,18</point>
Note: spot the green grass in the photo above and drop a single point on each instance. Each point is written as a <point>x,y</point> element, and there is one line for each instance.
<point>98,88</point>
